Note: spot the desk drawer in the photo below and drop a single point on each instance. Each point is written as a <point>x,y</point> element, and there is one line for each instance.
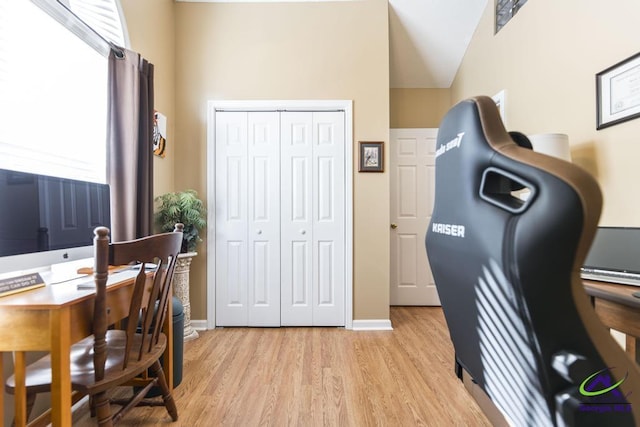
<point>24,330</point>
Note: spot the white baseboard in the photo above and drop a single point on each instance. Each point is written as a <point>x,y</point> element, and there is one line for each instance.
<point>372,325</point>
<point>358,325</point>
<point>199,325</point>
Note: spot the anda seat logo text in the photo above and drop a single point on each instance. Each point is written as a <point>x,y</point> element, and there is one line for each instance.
<point>454,143</point>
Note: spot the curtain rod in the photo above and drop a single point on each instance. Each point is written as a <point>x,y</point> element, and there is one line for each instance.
<point>76,25</point>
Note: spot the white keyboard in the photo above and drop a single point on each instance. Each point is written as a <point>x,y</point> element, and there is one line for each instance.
<point>88,282</point>
<point>622,277</point>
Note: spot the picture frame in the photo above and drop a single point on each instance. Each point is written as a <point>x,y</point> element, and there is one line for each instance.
<point>159,134</point>
<point>499,99</point>
<point>618,93</point>
<point>371,156</point>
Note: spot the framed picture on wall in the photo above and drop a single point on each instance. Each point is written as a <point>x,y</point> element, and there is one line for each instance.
<point>159,134</point>
<point>371,156</point>
<point>618,92</point>
<point>498,98</point>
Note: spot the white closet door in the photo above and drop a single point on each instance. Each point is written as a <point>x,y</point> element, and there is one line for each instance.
<point>264,219</point>
<point>328,219</point>
<point>280,219</point>
<point>312,231</point>
<point>247,219</point>
<point>296,150</point>
<point>231,219</point>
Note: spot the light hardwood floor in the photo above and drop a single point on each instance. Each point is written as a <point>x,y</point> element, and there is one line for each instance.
<point>319,377</point>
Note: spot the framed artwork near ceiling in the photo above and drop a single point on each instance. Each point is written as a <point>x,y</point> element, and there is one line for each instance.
<point>505,10</point>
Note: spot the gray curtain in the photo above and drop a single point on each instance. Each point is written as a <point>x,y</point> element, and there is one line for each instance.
<point>130,145</point>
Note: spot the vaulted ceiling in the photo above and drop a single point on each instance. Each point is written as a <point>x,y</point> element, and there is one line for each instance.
<point>428,39</point>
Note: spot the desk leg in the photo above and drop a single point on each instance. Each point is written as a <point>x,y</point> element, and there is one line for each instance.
<point>60,324</point>
<point>632,348</point>
<point>19,369</point>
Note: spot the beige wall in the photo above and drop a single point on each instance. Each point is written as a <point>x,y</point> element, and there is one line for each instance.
<point>546,59</point>
<point>290,51</point>
<point>418,108</point>
<point>152,34</point>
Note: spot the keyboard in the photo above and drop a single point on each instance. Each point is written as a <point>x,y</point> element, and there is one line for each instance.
<point>622,277</point>
<point>116,276</point>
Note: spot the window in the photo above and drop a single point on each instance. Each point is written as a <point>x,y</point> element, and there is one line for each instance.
<point>505,9</point>
<point>53,86</point>
<point>104,16</point>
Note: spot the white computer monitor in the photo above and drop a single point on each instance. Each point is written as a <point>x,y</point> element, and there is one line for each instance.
<point>47,220</point>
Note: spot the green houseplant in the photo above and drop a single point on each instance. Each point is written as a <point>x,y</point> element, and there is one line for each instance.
<point>184,207</point>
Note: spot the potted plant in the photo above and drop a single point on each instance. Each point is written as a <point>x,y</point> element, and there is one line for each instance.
<point>187,208</point>
<point>184,207</point>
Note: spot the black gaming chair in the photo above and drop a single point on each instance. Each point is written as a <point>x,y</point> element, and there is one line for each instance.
<point>508,276</point>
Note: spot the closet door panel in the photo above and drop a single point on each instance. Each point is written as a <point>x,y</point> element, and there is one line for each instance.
<point>231,219</point>
<point>296,139</point>
<point>328,219</point>
<point>264,218</point>
<point>299,274</point>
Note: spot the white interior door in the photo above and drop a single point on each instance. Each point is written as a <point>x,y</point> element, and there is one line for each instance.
<point>247,219</point>
<point>412,162</point>
<point>313,219</point>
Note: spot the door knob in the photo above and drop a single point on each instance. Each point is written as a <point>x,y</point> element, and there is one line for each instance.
<point>303,232</point>
<point>394,225</point>
<point>259,231</point>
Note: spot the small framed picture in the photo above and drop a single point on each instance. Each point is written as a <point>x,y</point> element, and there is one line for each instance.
<point>498,98</point>
<point>371,156</point>
<point>618,93</point>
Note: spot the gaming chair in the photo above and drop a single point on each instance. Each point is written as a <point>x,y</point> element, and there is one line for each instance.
<point>507,270</point>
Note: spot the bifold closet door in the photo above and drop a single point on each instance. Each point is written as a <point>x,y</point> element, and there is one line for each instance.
<point>280,224</point>
<point>247,219</point>
<point>312,218</point>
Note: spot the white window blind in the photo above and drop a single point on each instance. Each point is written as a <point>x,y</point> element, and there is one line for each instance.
<point>104,16</point>
<point>53,89</point>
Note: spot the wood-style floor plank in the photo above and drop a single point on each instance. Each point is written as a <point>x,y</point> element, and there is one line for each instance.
<point>319,377</point>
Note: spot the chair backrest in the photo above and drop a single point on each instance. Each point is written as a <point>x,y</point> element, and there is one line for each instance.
<point>155,258</point>
<point>507,271</point>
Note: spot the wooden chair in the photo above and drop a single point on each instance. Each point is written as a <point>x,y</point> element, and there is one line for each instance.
<point>115,357</point>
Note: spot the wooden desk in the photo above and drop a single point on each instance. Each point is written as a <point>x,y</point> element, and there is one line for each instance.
<point>618,309</point>
<point>52,319</point>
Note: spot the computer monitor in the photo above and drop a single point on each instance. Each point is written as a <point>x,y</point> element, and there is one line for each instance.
<point>46,220</point>
<point>615,249</point>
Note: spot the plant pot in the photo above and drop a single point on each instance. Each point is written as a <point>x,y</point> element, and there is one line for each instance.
<point>181,290</point>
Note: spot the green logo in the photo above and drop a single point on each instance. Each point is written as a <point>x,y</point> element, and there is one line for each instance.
<point>602,379</point>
